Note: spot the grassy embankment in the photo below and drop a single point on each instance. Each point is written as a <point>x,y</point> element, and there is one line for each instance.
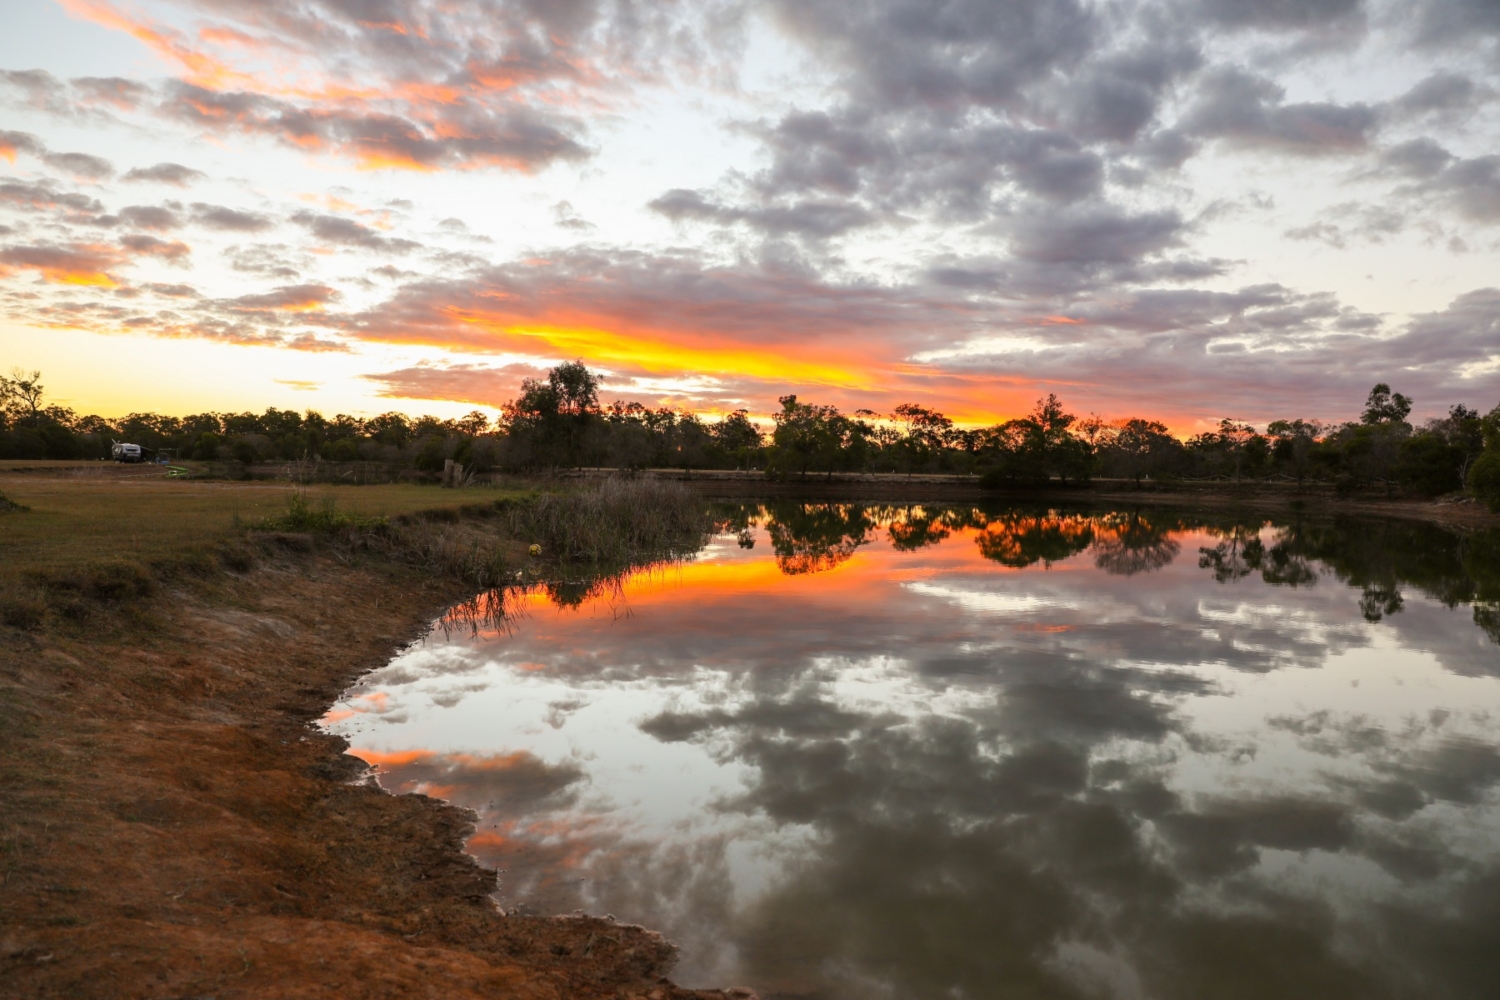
<point>170,824</point>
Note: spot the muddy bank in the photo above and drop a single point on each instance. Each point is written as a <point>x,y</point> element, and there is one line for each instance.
<point>172,826</point>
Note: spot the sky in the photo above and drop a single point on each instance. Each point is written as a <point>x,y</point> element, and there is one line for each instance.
<point>1183,209</point>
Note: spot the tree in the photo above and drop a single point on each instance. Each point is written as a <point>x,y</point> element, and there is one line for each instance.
<point>807,436</point>
<point>926,433</point>
<point>1141,447</point>
<point>1293,445</point>
<point>1384,407</point>
<point>737,437</point>
<point>22,394</point>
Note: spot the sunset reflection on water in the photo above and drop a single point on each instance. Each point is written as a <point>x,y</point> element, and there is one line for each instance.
<point>859,751</point>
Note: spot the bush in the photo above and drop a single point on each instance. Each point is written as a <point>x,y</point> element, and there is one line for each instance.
<point>1430,465</point>
<point>302,517</point>
<point>1484,478</point>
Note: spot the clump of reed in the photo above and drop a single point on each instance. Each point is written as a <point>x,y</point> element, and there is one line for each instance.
<point>613,522</point>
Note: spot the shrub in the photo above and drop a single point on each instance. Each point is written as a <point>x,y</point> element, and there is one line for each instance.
<point>1484,478</point>
<point>301,516</point>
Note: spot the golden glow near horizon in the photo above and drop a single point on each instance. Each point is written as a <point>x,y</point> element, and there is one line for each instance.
<point>211,207</point>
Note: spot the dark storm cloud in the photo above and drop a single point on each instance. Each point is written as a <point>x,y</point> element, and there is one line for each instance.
<point>174,174</point>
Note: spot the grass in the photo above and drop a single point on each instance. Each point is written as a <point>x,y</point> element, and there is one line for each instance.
<point>113,535</point>
<point>80,521</point>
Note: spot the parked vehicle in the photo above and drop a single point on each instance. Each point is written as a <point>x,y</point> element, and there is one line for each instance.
<point>121,452</point>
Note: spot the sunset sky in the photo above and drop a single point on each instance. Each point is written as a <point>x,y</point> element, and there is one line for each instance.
<point>1189,209</point>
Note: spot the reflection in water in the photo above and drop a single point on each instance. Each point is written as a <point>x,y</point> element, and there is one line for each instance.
<point>853,751</point>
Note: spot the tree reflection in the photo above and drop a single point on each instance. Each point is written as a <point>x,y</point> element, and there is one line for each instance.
<point>1130,543</point>
<point>812,538</point>
<point>1021,540</point>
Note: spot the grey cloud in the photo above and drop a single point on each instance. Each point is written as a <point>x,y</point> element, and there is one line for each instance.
<point>44,195</point>
<point>1099,234</point>
<point>1248,110</point>
<point>80,165</point>
<point>565,217</point>
<point>172,251</point>
<point>813,219</point>
<point>174,174</point>
<point>1417,158</point>
<point>1283,15</point>
<point>1472,187</point>
<point>906,54</point>
<point>117,92</point>
<point>229,220</point>
<point>160,218</point>
<point>1445,22</point>
<point>1443,93</point>
<point>347,232</point>
<point>12,143</point>
<point>286,297</point>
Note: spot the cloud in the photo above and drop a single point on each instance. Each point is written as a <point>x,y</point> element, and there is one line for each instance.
<point>68,265</point>
<point>414,86</point>
<point>174,174</point>
<point>229,220</point>
<point>817,220</point>
<point>1284,15</point>
<point>470,383</point>
<point>1248,111</point>
<point>171,251</point>
<point>12,143</point>
<point>287,298</point>
<point>346,232</point>
<point>160,218</point>
<point>43,195</point>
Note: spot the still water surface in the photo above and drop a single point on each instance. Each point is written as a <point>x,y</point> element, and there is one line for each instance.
<point>892,752</point>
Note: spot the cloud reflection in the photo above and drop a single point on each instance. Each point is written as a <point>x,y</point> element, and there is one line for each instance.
<point>1026,753</point>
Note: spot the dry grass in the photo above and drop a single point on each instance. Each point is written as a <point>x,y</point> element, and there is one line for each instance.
<point>122,516</point>
<point>115,535</point>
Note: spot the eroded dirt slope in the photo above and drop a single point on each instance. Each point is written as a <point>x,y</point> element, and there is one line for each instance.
<point>170,825</point>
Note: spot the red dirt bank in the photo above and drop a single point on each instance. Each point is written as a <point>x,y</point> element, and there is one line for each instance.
<point>172,827</point>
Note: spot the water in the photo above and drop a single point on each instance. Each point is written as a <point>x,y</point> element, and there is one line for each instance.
<point>879,752</point>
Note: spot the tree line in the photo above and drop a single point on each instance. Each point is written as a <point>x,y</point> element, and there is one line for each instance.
<point>559,422</point>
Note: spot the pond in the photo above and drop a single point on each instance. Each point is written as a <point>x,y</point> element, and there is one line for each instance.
<point>864,751</point>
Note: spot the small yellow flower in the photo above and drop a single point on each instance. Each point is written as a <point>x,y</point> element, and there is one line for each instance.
<point>535,550</point>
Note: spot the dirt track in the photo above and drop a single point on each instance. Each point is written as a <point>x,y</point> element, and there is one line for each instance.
<point>171,825</point>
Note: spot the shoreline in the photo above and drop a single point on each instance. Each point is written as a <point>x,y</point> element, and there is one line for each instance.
<point>1319,500</point>
<point>176,825</point>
